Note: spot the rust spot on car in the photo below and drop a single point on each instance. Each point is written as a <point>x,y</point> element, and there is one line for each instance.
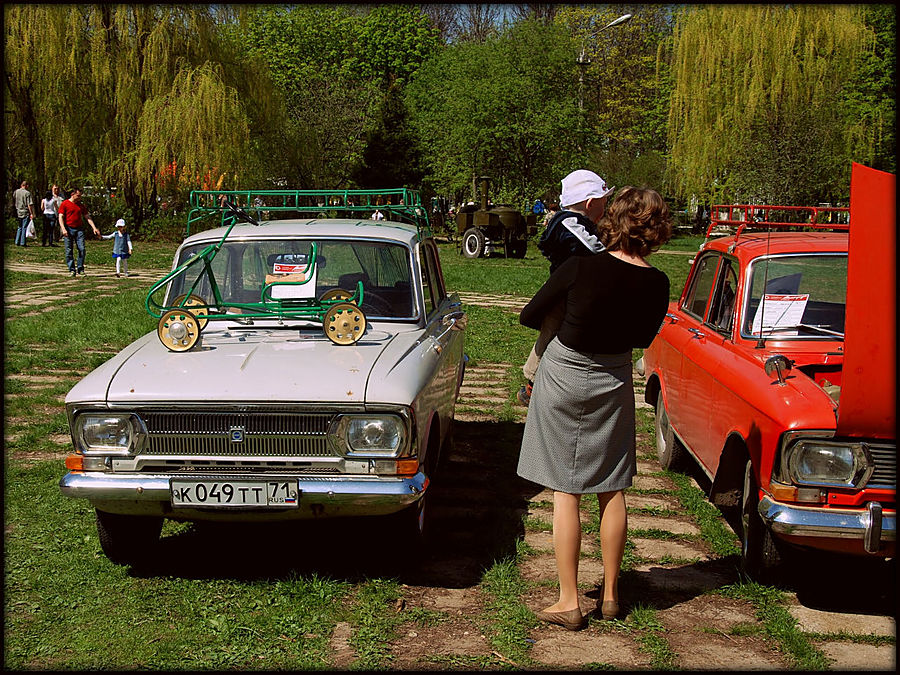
<point>349,393</point>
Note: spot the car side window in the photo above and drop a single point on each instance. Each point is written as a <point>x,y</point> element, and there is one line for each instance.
<point>721,314</point>
<point>432,290</point>
<point>698,296</point>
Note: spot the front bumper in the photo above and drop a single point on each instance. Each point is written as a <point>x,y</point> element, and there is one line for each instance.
<point>870,526</point>
<point>142,494</point>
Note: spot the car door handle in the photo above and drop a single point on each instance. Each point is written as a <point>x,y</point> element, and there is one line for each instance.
<point>698,333</point>
<point>671,317</point>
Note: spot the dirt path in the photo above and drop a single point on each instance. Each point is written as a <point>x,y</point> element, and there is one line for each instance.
<point>483,512</point>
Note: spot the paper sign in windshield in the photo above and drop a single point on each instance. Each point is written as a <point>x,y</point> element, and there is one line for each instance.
<point>294,274</point>
<point>780,312</point>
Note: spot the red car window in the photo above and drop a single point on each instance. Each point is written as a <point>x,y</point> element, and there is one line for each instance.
<point>698,296</point>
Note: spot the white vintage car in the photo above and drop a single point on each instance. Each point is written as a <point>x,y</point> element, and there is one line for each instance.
<point>265,417</point>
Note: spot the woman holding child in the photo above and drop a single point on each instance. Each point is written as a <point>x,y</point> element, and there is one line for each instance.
<point>579,436</point>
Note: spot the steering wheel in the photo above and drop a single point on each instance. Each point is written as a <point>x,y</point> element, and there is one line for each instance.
<point>375,304</point>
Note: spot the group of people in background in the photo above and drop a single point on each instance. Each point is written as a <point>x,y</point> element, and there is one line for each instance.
<point>65,217</point>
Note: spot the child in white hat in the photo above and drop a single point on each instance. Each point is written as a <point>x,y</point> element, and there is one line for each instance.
<point>121,247</point>
<point>571,231</point>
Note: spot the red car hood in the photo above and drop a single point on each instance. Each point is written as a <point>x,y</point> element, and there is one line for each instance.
<point>868,393</point>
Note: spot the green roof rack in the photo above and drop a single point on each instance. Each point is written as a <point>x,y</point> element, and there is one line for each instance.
<point>398,204</point>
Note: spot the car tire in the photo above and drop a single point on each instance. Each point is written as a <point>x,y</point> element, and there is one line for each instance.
<point>409,528</point>
<point>473,243</point>
<point>518,248</point>
<point>128,540</point>
<point>761,558</point>
<point>671,453</point>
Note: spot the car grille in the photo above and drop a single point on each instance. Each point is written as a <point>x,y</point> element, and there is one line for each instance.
<point>234,434</point>
<point>885,474</point>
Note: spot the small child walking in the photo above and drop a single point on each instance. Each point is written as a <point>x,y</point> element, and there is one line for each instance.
<point>121,247</point>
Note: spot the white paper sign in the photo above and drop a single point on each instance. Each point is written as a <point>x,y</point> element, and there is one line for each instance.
<point>780,312</point>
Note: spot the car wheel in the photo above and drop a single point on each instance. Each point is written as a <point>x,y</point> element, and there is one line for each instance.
<point>519,248</point>
<point>761,558</point>
<point>128,540</point>
<point>410,526</point>
<point>473,243</point>
<point>669,449</point>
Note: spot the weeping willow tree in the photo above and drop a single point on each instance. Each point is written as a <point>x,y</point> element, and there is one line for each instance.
<point>757,110</point>
<point>115,93</point>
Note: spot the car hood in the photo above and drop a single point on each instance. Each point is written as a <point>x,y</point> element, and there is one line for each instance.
<point>254,366</point>
<point>868,394</point>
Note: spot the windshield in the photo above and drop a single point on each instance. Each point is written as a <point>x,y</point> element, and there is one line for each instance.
<point>241,269</point>
<point>801,296</point>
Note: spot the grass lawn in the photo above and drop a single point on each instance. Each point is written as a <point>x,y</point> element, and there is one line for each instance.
<point>232,598</point>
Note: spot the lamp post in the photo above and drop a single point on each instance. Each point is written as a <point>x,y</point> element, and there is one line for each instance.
<point>584,60</point>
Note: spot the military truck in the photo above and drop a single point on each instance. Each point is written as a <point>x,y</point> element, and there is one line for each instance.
<point>493,228</point>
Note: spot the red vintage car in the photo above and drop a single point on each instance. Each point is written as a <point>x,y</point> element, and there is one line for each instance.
<point>775,372</point>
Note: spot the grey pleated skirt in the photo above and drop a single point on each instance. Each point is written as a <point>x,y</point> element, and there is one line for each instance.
<point>579,433</point>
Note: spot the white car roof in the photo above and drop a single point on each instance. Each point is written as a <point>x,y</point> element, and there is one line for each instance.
<point>402,233</point>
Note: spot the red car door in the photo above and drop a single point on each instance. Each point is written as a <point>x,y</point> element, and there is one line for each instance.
<point>690,391</point>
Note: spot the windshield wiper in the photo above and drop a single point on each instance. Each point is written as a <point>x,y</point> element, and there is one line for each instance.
<point>819,329</point>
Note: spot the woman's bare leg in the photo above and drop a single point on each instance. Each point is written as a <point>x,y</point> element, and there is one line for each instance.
<point>613,531</point>
<point>567,547</point>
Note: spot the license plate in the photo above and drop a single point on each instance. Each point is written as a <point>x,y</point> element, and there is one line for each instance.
<point>234,493</point>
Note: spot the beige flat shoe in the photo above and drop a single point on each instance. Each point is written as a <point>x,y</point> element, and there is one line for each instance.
<point>570,620</point>
<point>609,609</point>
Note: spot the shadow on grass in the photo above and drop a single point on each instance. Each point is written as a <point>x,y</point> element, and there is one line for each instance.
<point>476,505</point>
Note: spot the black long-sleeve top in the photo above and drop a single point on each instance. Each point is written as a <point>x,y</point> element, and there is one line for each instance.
<point>611,305</point>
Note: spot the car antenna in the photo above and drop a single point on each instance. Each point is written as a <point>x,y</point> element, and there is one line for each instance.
<point>761,343</point>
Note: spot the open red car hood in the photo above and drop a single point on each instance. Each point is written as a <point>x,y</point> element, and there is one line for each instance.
<point>868,389</point>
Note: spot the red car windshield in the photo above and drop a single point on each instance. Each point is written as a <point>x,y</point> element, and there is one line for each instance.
<point>802,296</point>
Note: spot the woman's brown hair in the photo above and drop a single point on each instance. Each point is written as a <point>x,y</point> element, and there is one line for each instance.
<point>637,222</point>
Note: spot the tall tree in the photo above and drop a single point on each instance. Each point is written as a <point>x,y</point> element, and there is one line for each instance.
<point>444,18</point>
<point>623,89</point>
<point>335,66</point>
<point>478,21</point>
<point>758,88</point>
<point>504,108</point>
<point>114,93</point>
<point>540,11</point>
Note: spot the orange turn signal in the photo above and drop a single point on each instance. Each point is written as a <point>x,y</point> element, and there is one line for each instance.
<point>75,462</point>
<point>783,493</point>
<point>407,467</point>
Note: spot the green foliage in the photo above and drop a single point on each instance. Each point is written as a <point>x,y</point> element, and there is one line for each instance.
<point>503,108</point>
<point>871,95</point>
<point>758,92</point>
<point>118,92</point>
<point>625,89</point>
<point>339,69</point>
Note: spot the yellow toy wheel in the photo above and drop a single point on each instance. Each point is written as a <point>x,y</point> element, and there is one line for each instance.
<point>344,323</point>
<point>335,294</point>
<point>178,330</point>
<point>197,307</point>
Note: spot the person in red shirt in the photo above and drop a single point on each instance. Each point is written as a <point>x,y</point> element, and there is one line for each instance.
<point>72,214</point>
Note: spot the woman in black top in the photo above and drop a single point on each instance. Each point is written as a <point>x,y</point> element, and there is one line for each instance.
<point>580,431</point>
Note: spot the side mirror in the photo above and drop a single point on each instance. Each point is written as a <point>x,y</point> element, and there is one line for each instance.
<point>777,366</point>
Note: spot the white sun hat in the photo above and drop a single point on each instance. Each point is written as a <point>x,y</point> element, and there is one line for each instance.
<point>582,185</point>
<point>120,222</point>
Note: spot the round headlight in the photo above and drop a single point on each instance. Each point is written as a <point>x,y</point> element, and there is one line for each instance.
<point>829,464</point>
